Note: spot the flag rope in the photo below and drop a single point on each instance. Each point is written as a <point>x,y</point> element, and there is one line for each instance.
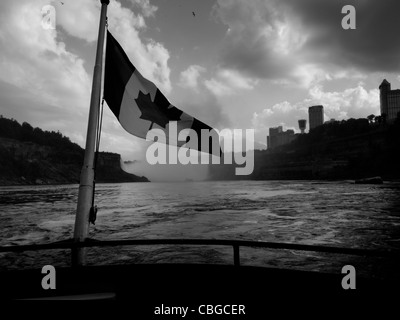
<point>93,209</point>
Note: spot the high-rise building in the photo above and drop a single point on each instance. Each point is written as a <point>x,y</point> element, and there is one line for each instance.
<point>302,125</point>
<point>277,137</point>
<point>316,116</point>
<point>390,101</point>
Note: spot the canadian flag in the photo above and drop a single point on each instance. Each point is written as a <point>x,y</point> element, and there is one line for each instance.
<point>138,104</point>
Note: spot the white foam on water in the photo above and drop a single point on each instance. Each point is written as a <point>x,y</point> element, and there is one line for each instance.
<point>57,224</point>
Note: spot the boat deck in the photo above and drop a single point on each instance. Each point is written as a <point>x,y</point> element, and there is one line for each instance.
<point>144,287</point>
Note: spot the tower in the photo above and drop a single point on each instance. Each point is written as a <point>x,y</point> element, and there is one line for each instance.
<point>302,125</point>
<point>384,89</point>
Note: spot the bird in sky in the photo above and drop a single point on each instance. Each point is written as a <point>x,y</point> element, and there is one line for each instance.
<point>193,14</point>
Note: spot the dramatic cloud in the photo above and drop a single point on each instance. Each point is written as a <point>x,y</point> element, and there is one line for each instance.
<point>203,105</point>
<point>304,42</point>
<point>351,103</point>
<point>148,9</point>
<point>189,77</point>
<point>81,20</point>
<point>262,38</point>
<point>274,53</point>
<point>46,84</point>
<point>202,98</point>
<point>229,82</point>
<point>150,57</point>
<point>370,47</point>
<point>32,60</point>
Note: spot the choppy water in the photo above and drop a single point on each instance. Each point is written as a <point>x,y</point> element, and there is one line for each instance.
<point>325,213</point>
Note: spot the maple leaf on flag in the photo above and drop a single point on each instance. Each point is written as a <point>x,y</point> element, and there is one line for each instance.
<point>154,113</point>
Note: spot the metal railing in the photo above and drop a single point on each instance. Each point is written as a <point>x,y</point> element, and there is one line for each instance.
<point>235,244</point>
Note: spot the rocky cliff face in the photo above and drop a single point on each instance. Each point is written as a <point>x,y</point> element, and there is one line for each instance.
<point>109,169</point>
<point>25,162</point>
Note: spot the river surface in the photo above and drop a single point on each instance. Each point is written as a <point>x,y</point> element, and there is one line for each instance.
<point>338,214</point>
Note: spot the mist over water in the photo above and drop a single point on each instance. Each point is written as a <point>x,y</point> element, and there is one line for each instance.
<point>304,212</point>
<point>168,172</point>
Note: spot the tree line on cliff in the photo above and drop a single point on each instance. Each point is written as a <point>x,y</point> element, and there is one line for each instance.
<point>32,155</point>
<point>63,149</point>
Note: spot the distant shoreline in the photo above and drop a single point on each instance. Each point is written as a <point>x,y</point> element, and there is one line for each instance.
<point>62,184</point>
<point>345,181</point>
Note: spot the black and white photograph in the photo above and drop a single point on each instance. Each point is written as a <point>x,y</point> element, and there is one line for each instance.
<point>200,159</point>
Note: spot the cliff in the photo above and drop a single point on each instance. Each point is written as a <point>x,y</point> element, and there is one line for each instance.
<point>351,149</point>
<point>32,156</point>
<point>109,169</point>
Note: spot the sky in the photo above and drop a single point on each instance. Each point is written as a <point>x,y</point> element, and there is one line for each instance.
<point>232,64</point>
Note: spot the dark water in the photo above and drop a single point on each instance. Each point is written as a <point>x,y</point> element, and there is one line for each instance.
<point>331,213</point>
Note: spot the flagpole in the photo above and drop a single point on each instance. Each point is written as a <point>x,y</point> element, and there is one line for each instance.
<point>87,174</point>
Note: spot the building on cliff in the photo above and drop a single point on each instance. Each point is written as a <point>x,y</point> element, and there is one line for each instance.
<point>277,137</point>
<point>302,125</point>
<point>390,101</point>
<point>316,116</point>
<point>330,121</point>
